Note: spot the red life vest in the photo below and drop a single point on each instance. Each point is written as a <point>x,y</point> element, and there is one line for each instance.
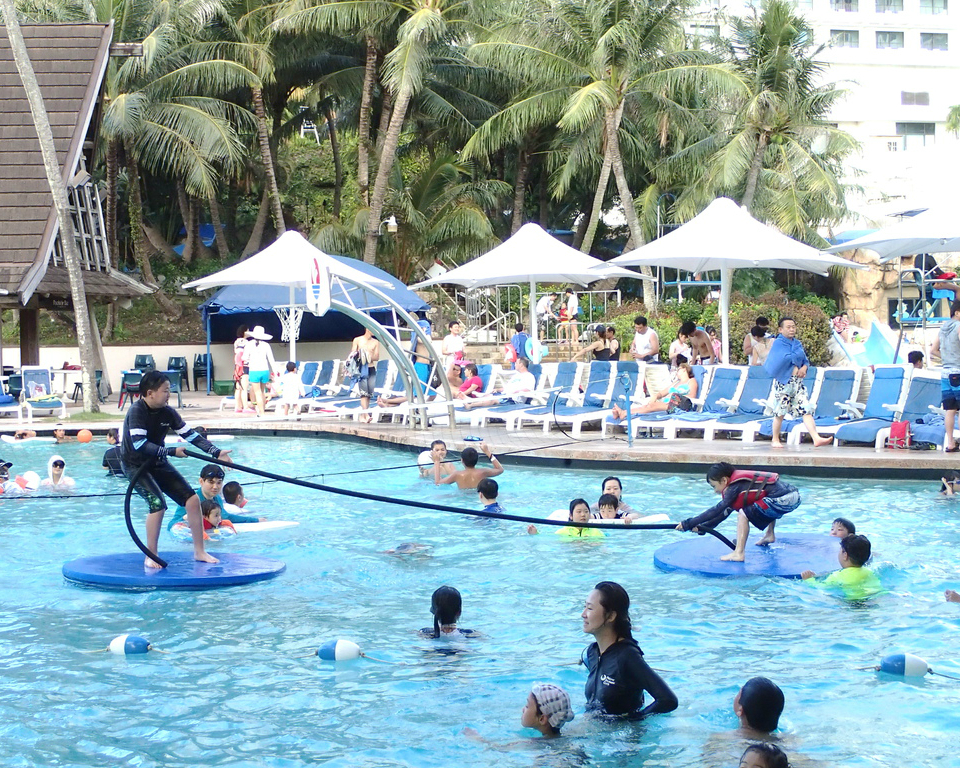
<point>757,488</point>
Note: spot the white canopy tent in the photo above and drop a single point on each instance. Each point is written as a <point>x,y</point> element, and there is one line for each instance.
<point>725,236</point>
<point>290,261</point>
<point>530,255</point>
<point>936,230</point>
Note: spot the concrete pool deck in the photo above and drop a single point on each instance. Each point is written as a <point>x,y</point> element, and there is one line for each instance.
<point>532,447</point>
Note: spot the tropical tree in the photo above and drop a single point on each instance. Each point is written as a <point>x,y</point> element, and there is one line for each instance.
<point>421,27</point>
<point>58,189</point>
<point>773,148</point>
<point>953,120</point>
<point>588,66</point>
<point>441,214</point>
<point>165,112</point>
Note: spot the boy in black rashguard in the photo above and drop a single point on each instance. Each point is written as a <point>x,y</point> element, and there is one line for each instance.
<point>144,429</point>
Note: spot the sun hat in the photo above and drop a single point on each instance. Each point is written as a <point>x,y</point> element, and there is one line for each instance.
<point>259,333</point>
<point>554,703</point>
<point>5,464</point>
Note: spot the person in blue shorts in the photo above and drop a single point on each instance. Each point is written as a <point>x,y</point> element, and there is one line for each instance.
<point>758,498</point>
<point>144,429</point>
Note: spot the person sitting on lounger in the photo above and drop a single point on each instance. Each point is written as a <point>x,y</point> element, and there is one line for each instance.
<point>522,383</point>
<point>684,386</point>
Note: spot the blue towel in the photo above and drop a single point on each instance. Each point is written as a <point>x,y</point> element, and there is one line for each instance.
<point>785,354</point>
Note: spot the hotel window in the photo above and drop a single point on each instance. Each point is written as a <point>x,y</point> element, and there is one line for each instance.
<point>845,38</point>
<point>916,129</point>
<point>889,39</point>
<point>704,30</point>
<point>804,5</point>
<point>911,99</point>
<point>933,41</point>
<point>849,6</point>
<point>889,6</point>
<point>933,6</point>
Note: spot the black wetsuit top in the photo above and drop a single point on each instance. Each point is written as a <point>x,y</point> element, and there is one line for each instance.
<point>144,430</point>
<point>111,460</point>
<point>618,678</point>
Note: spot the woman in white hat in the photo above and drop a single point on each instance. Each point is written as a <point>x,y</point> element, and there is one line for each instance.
<point>261,364</point>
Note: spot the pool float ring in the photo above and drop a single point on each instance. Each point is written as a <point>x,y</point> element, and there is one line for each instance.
<point>266,525</point>
<point>181,532</point>
<point>509,353</point>
<point>535,351</point>
<point>13,441</point>
<point>563,514</point>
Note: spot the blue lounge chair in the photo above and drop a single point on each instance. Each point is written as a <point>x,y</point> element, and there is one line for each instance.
<point>597,391</point>
<point>701,374</point>
<point>750,406</point>
<point>837,386</point>
<point>887,394</point>
<point>724,387</point>
<point>38,392</point>
<point>480,416</point>
<point>922,396</point>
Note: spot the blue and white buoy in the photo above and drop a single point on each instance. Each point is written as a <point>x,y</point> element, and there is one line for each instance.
<point>904,665</point>
<point>129,645</point>
<point>339,650</point>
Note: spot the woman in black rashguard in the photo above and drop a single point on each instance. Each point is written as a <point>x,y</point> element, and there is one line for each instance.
<point>618,674</point>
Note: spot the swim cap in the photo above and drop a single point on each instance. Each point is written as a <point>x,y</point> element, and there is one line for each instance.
<point>554,703</point>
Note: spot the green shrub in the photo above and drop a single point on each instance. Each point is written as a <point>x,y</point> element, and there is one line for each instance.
<point>813,327</point>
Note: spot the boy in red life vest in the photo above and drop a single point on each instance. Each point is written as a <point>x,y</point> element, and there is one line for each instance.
<point>759,498</point>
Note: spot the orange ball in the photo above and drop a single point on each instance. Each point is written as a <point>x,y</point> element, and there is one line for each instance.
<point>84,436</point>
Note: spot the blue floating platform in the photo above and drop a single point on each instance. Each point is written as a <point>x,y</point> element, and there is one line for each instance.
<point>787,558</point>
<point>127,571</point>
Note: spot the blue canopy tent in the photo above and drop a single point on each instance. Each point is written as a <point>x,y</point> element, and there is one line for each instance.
<point>234,305</point>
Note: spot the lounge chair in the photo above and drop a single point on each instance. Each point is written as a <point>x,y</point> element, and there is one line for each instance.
<point>480,416</point>
<point>593,404</point>
<point>837,386</point>
<point>563,386</point>
<point>38,392</point>
<point>887,394</point>
<point>724,387</point>
<point>922,397</point>
<point>344,392</point>
<point>751,410</point>
<point>647,421</point>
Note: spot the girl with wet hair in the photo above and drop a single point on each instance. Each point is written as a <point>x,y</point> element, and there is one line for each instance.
<point>764,755</point>
<point>446,606</point>
<point>617,672</point>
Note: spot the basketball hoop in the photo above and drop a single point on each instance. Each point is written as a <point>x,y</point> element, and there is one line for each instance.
<point>290,318</point>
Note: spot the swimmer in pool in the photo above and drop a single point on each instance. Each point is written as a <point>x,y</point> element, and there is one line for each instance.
<point>24,434</point>
<point>579,514</point>
<point>438,449</point>
<point>546,710</point>
<point>61,435</point>
<point>212,517</point>
<point>856,581</point>
<point>764,756</point>
<point>618,673</point>
<point>759,498</point>
<point>446,605</point>
<point>411,548</point>
<point>608,512</point>
<point>613,486</point>
<point>952,596</point>
<point>950,484</point>
<point>841,528</point>
<point>468,478</point>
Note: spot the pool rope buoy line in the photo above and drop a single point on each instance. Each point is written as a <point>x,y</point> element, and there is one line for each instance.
<point>906,665</point>
<point>128,645</point>
<point>443,507</point>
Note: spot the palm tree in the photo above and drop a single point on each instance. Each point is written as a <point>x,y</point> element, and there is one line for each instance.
<point>421,26</point>
<point>590,66</point>
<point>773,148</point>
<point>58,189</point>
<point>164,113</point>
<point>441,215</point>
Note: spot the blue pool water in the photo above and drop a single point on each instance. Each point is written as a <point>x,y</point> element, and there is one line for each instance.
<point>238,687</point>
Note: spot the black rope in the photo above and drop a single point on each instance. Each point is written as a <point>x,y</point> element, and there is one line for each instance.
<point>126,514</point>
<point>444,508</point>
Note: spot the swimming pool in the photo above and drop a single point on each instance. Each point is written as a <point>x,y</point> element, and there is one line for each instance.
<point>237,687</point>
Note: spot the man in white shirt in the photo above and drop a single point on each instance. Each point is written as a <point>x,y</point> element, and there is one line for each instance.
<point>453,346</point>
<point>646,343</point>
<point>521,383</point>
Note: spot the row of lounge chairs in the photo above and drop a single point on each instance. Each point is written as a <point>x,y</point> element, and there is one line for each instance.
<point>732,401</point>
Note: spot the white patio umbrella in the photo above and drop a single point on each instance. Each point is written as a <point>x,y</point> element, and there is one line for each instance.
<point>725,236</point>
<point>531,255</point>
<point>936,230</point>
<point>288,261</point>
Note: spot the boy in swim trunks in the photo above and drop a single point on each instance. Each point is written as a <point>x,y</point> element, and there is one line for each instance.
<point>470,476</point>
<point>144,429</point>
<point>438,449</point>
<point>488,490</point>
<point>759,499</point>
